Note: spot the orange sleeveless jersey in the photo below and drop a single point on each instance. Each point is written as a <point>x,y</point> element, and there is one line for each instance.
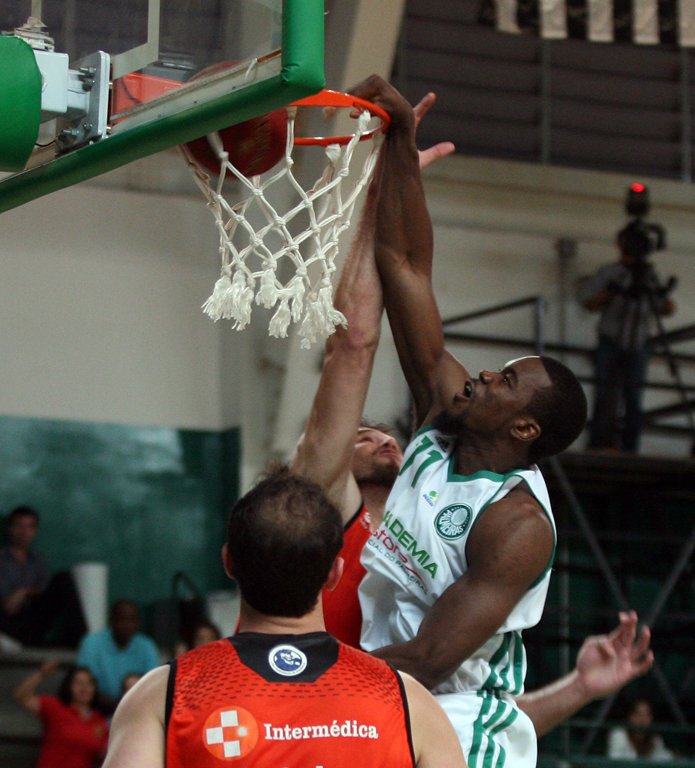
<point>341,606</point>
<point>274,701</point>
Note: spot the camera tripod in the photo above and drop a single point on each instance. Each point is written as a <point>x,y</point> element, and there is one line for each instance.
<point>645,284</point>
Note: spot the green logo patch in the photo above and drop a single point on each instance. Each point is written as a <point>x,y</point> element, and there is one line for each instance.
<point>453,521</point>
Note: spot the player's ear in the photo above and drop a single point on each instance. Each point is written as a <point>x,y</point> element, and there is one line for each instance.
<point>525,428</point>
<point>335,574</point>
<point>227,561</point>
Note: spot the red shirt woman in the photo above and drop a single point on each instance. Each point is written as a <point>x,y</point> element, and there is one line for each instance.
<point>74,734</point>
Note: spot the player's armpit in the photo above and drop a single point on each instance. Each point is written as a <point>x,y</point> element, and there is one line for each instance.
<point>137,734</point>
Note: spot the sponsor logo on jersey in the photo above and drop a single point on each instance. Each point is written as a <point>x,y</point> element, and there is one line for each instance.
<point>230,733</point>
<point>287,660</point>
<point>453,521</point>
<point>348,729</point>
<point>394,537</point>
<point>430,497</point>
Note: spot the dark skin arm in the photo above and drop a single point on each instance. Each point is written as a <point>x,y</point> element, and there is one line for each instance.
<point>510,546</point>
<point>403,251</point>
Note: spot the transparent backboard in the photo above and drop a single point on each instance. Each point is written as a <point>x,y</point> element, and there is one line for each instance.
<point>171,70</point>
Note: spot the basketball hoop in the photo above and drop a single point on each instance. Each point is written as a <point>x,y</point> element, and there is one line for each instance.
<point>255,236</point>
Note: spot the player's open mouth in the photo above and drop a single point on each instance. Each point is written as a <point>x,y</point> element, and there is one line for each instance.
<point>468,389</point>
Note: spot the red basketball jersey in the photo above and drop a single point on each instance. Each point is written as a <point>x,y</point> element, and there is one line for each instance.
<point>341,606</point>
<point>281,701</point>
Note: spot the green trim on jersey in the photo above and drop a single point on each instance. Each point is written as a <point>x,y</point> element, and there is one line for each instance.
<point>551,559</point>
<point>500,726</point>
<point>455,477</point>
<point>495,715</point>
<point>423,428</point>
<point>519,664</point>
<point>507,665</point>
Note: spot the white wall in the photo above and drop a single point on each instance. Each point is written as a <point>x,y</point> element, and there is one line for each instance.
<point>101,290</point>
<point>100,295</point>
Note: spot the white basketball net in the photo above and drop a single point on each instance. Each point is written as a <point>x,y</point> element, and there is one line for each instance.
<point>255,237</point>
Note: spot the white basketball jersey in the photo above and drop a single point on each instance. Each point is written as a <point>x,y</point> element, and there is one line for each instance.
<point>420,549</point>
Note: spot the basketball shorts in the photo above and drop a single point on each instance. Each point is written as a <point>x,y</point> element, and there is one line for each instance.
<point>492,730</point>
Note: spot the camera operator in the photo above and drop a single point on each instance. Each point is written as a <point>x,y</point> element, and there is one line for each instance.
<point>630,297</point>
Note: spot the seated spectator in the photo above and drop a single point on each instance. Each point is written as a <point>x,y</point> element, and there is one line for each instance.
<point>114,652</point>
<point>636,740</point>
<point>36,608</point>
<point>203,632</point>
<point>74,734</point>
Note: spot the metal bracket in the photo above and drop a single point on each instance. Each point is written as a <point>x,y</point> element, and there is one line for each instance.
<point>86,118</point>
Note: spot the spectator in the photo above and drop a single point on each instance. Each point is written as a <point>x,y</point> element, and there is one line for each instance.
<point>203,632</point>
<point>36,608</point>
<point>629,297</point>
<point>113,653</point>
<point>635,740</point>
<point>74,734</point>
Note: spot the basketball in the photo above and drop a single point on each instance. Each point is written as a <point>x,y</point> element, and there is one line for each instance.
<point>254,146</point>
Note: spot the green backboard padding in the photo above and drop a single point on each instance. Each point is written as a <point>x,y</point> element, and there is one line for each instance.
<point>20,102</point>
<point>302,74</point>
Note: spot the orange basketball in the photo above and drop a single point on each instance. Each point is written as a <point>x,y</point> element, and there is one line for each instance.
<point>254,146</point>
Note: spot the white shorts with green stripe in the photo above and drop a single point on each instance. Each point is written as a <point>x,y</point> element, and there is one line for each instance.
<point>493,731</point>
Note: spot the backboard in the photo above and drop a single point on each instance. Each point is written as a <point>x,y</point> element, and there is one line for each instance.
<point>104,82</point>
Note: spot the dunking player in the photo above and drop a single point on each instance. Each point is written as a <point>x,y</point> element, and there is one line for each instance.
<point>358,465</point>
<point>616,655</point>
<point>282,691</point>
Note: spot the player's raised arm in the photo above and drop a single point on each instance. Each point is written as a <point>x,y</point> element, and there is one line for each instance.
<point>403,249</point>
<point>324,453</point>
<point>605,664</point>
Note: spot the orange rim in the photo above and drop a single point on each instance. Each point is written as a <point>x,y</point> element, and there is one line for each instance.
<point>327,98</point>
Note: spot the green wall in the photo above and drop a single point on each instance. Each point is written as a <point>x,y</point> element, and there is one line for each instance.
<point>148,501</point>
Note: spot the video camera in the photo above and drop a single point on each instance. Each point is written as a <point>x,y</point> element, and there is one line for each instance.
<point>638,238</point>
